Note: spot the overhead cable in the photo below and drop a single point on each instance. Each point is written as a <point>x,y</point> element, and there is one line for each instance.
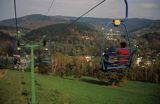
<point>50,6</point>
<point>85,13</point>
<point>15,13</point>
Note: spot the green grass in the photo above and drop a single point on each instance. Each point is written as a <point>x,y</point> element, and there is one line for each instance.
<point>55,90</point>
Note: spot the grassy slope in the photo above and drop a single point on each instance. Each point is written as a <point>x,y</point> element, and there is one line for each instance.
<point>55,90</point>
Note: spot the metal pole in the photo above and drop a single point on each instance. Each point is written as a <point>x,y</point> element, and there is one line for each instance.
<point>126,12</point>
<point>32,46</point>
<point>33,76</point>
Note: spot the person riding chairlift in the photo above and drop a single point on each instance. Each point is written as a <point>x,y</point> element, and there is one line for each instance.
<point>112,51</point>
<point>108,53</point>
<point>123,51</point>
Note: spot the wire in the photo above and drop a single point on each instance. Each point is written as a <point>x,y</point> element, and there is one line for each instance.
<point>15,12</point>
<point>85,13</point>
<point>16,21</point>
<point>50,6</point>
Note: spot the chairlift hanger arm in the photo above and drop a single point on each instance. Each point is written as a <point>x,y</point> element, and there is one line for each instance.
<point>126,14</point>
<point>117,22</point>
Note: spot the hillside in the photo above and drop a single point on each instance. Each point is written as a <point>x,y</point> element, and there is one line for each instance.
<point>11,30</point>
<point>148,37</point>
<point>79,37</point>
<point>55,90</point>
<point>37,20</point>
<point>4,36</point>
<point>82,36</point>
<point>6,42</point>
<point>34,21</point>
<point>61,31</point>
<point>154,27</point>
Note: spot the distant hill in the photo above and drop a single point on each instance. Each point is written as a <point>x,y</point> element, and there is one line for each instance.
<point>152,36</point>
<point>34,21</point>
<point>6,42</point>
<point>4,36</point>
<point>10,30</point>
<point>153,27</point>
<point>89,39</point>
<point>153,40</point>
<point>78,39</point>
<point>83,36</point>
<point>37,20</point>
<point>148,37</point>
<point>63,34</point>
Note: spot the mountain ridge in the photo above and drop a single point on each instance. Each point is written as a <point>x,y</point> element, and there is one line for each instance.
<point>35,21</point>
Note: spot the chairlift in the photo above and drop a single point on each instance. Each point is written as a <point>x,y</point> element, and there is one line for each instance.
<point>114,33</point>
<point>45,56</point>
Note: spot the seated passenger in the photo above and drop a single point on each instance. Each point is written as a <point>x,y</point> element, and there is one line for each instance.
<point>123,51</point>
<point>105,55</point>
<point>109,53</point>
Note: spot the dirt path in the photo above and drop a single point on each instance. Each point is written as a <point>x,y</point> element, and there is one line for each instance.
<point>2,73</point>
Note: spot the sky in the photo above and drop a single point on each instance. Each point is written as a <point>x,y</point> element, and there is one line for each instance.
<point>149,9</point>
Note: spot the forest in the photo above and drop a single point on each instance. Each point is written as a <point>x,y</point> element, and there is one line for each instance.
<point>75,51</point>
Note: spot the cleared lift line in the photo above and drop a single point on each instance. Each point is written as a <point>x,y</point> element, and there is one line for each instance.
<point>33,46</point>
